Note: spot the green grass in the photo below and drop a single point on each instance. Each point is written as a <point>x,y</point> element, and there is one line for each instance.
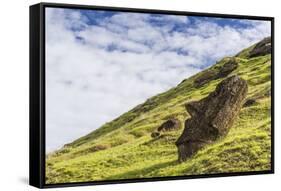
<point>124,149</point>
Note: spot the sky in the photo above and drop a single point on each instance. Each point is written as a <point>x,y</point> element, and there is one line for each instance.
<point>100,64</point>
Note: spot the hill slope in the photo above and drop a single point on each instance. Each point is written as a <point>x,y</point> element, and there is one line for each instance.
<point>123,148</point>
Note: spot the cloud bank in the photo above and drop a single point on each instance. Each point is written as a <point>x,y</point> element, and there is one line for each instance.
<point>101,64</point>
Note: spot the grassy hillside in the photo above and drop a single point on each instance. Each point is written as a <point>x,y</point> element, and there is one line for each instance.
<point>123,148</point>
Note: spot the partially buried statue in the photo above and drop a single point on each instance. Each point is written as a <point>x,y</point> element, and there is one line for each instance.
<point>212,116</point>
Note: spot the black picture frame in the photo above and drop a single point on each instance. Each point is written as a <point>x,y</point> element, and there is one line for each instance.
<point>37,94</point>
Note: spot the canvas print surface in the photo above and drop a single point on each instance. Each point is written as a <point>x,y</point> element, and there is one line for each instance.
<point>139,95</point>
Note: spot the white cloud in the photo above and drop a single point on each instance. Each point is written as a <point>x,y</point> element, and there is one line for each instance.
<point>97,72</point>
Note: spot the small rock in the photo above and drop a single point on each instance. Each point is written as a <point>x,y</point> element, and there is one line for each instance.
<point>249,102</point>
<point>169,125</point>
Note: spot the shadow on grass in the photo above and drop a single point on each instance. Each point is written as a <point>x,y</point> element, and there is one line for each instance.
<point>144,172</point>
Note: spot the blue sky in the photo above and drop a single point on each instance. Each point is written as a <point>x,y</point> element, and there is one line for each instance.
<point>101,64</point>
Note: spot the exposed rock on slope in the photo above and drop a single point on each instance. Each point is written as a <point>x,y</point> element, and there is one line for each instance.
<point>222,72</point>
<point>227,68</point>
<point>204,78</point>
<point>262,48</point>
<point>169,125</point>
<point>211,117</point>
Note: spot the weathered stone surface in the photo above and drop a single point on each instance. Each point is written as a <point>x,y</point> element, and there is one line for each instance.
<point>227,68</point>
<point>222,72</point>
<point>212,116</point>
<point>204,78</point>
<point>262,48</point>
<point>169,125</point>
